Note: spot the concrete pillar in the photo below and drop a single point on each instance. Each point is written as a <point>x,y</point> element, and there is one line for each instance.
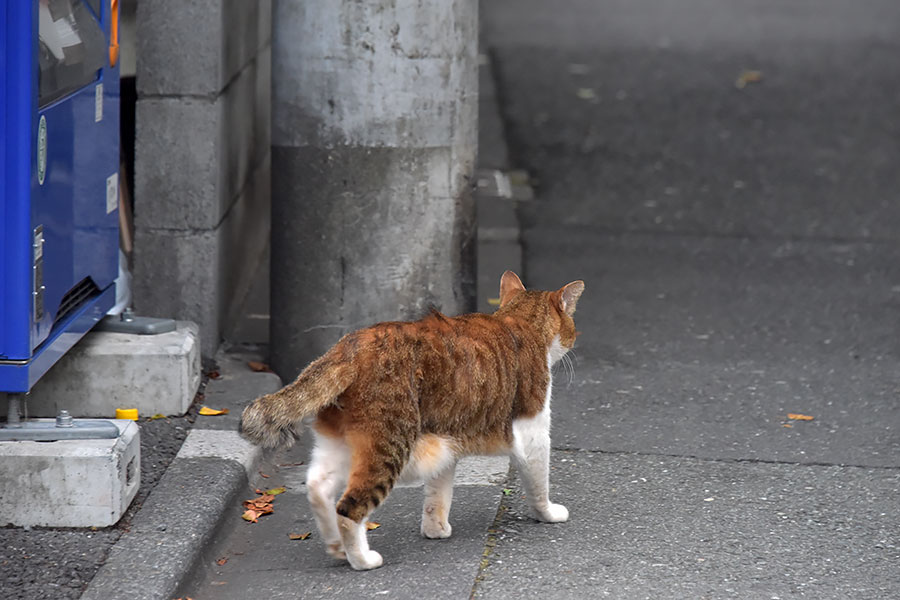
<point>374,135</point>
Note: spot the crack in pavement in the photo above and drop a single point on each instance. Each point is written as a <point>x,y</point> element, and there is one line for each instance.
<point>763,461</point>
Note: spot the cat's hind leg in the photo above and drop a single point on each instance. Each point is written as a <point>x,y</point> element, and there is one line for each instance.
<point>436,510</point>
<point>327,472</point>
<point>376,462</point>
<point>531,456</point>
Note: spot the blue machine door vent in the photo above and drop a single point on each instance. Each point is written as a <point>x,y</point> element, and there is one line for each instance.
<point>83,291</point>
<point>73,48</point>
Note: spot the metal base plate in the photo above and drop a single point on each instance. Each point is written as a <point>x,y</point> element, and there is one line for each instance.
<point>38,431</point>
<point>136,325</point>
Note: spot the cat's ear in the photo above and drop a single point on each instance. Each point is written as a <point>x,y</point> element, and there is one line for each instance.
<point>569,295</point>
<point>510,285</point>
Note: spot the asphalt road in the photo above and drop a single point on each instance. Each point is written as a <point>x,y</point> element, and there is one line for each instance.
<point>740,249</point>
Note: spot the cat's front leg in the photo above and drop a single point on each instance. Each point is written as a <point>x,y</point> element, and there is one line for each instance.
<point>436,510</point>
<point>531,456</point>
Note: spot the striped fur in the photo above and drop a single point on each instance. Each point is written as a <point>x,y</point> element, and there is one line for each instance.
<point>401,401</point>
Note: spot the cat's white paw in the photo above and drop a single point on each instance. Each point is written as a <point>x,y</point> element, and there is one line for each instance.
<point>554,513</point>
<point>435,529</point>
<point>368,560</point>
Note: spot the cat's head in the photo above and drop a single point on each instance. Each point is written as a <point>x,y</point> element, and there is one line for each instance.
<point>550,312</point>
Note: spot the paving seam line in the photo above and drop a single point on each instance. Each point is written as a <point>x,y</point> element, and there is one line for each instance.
<point>758,461</point>
<point>510,232</point>
<point>491,539</point>
<point>187,545</point>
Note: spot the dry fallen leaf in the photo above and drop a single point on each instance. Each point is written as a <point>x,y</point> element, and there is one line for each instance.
<point>261,505</point>
<point>263,475</point>
<point>797,417</point>
<point>212,412</point>
<point>372,525</point>
<point>299,536</point>
<point>788,425</point>
<point>213,375</point>
<point>260,510</point>
<point>259,367</point>
<point>251,515</point>
<point>747,77</point>
<point>222,561</point>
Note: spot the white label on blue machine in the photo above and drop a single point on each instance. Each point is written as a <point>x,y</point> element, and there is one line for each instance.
<point>98,103</point>
<point>112,192</point>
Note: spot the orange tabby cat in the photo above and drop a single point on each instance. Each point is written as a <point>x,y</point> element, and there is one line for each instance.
<point>399,403</point>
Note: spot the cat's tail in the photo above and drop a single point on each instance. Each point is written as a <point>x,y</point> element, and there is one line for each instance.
<point>274,420</point>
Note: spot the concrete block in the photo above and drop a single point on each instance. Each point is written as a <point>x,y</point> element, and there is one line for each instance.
<point>105,371</point>
<point>196,48</point>
<point>78,483</point>
<point>177,163</point>
<point>176,274</point>
<point>194,156</point>
<point>178,47</point>
<point>220,444</point>
<point>211,270</point>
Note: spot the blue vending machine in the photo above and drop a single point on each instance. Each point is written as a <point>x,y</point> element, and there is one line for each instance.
<point>59,165</point>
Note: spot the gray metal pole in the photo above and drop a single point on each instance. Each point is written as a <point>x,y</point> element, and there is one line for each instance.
<point>374,134</point>
<point>14,411</point>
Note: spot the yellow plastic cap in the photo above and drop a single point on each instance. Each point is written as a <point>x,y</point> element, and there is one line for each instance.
<point>127,413</point>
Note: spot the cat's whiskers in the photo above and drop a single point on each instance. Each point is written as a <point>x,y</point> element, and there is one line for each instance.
<point>566,361</point>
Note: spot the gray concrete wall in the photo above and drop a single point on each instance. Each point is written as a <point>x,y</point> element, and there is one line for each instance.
<point>374,140</point>
<point>202,158</point>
